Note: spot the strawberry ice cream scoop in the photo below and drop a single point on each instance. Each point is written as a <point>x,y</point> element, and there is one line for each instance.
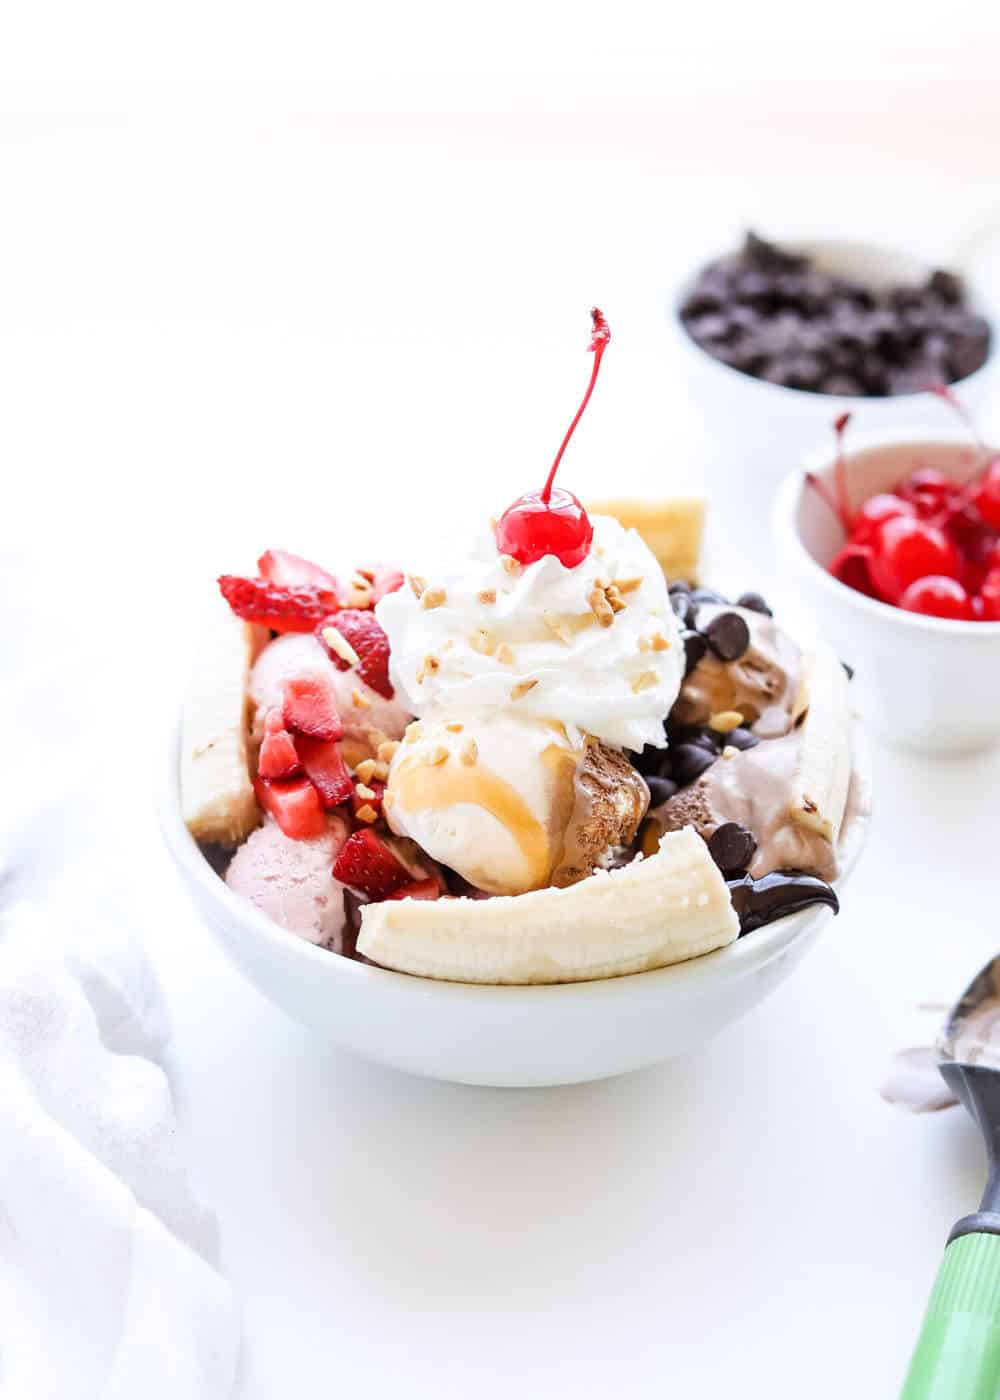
<point>361,708</point>
<point>292,881</point>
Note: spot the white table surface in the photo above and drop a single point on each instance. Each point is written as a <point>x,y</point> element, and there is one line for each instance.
<point>235,323</point>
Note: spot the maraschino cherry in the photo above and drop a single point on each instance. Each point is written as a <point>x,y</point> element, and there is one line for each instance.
<point>553,521</point>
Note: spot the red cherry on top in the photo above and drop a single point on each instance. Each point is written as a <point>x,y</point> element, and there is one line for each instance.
<point>875,512</point>
<point>553,521</point>
<point>904,550</point>
<point>937,596</point>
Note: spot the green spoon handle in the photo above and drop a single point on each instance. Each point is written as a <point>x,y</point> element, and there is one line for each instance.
<point>958,1353</point>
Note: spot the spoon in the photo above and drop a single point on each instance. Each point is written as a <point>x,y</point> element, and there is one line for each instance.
<point>958,1353</point>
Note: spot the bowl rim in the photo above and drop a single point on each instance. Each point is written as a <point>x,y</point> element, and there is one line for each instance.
<point>740,957</point>
<point>790,540</point>
<point>977,299</point>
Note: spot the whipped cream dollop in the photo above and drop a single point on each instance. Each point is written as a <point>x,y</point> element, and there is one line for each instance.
<point>596,647</point>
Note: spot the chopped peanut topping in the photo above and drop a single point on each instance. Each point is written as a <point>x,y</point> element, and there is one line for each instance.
<point>510,564</point>
<point>470,751</point>
<point>413,732</point>
<point>644,681</point>
<point>628,585</point>
<point>600,607</point>
<point>418,584</point>
<point>482,641</point>
<point>725,721</point>
<point>434,756</point>
<point>455,727</point>
<point>341,646</point>
<point>557,628</point>
<point>645,644</point>
<point>433,598</point>
<point>730,751</point>
<point>522,688</point>
<point>386,750</point>
<point>366,770</point>
<point>488,595</point>
<point>359,701</point>
<point>366,814</point>
<point>427,667</point>
<point>659,642</point>
<point>381,771</point>
<point>364,792</point>
<point>360,594</point>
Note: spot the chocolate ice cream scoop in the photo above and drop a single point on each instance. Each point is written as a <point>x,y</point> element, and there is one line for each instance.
<point>753,789</point>
<point>761,683</point>
<point>610,800</point>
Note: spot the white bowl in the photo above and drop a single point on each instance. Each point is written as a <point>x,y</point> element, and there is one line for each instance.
<point>926,683</point>
<point>756,431</point>
<point>507,1036</point>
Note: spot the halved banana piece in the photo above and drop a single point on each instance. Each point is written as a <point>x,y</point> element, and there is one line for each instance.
<point>672,906</point>
<point>672,527</point>
<point>823,769</point>
<point>217,799</point>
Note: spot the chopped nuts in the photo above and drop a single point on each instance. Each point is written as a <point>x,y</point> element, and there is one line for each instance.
<point>381,772</point>
<point>386,750</point>
<point>510,564</point>
<point>504,655</point>
<point>366,814</point>
<point>488,595</point>
<point>366,770</point>
<point>365,793</point>
<point>413,732</point>
<point>433,598</point>
<point>725,721</point>
<point>644,681</point>
<point>360,594</point>
<point>359,701</point>
<point>522,688</point>
<point>730,751</point>
<point>600,606</point>
<point>455,727</point>
<point>418,584</point>
<point>470,751</point>
<point>659,642</point>
<point>557,628</point>
<point>628,585</point>
<point>434,756</point>
<point>645,644</point>
<point>341,646</point>
<point>427,667</point>
<point>482,641</point>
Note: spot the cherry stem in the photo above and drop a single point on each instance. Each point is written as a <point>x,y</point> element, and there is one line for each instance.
<point>826,496</point>
<point>968,493</point>
<point>598,343</point>
<point>840,473</point>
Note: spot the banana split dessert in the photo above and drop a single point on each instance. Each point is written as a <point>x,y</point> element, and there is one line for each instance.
<point>526,758</point>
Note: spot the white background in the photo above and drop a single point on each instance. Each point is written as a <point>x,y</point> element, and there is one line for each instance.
<point>320,313</point>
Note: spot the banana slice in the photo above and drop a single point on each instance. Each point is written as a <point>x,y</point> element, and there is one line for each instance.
<point>823,769</point>
<point>217,797</point>
<point>669,907</point>
<point>672,528</point>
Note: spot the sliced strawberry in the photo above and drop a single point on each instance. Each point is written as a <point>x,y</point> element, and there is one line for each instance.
<point>294,805</point>
<point>388,579</point>
<point>357,801</point>
<point>420,889</point>
<point>299,609</point>
<point>325,769</point>
<point>363,631</point>
<point>367,864</point>
<point>278,758</point>
<point>292,571</point>
<point>310,707</point>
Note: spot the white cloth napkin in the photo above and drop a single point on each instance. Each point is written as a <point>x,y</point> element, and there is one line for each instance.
<point>108,1283</point>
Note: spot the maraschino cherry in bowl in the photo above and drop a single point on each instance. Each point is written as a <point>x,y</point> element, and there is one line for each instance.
<point>893,541</point>
<point>521,811</point>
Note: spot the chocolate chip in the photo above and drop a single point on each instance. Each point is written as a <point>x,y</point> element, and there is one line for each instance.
<point>741,739</point>
<point>728,635</point>
<point>682,606</point>
<point>849,670</point>
<point>754,603</point>
<point>649,761</point>
<point>695,647</point>
<point>688,762</point>
<point>660,790</point>
<point>679,585</point>
<point>947,286</point>
<point>732,846</point>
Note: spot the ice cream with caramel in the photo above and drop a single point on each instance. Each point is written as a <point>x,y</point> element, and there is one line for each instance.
<point>529,682</point>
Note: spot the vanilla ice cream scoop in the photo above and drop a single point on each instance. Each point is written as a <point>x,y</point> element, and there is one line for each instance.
<point>596,647</point>
<point>510,802</point>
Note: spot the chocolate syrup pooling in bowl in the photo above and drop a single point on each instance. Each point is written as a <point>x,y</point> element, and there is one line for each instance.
<point>760,902</point>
